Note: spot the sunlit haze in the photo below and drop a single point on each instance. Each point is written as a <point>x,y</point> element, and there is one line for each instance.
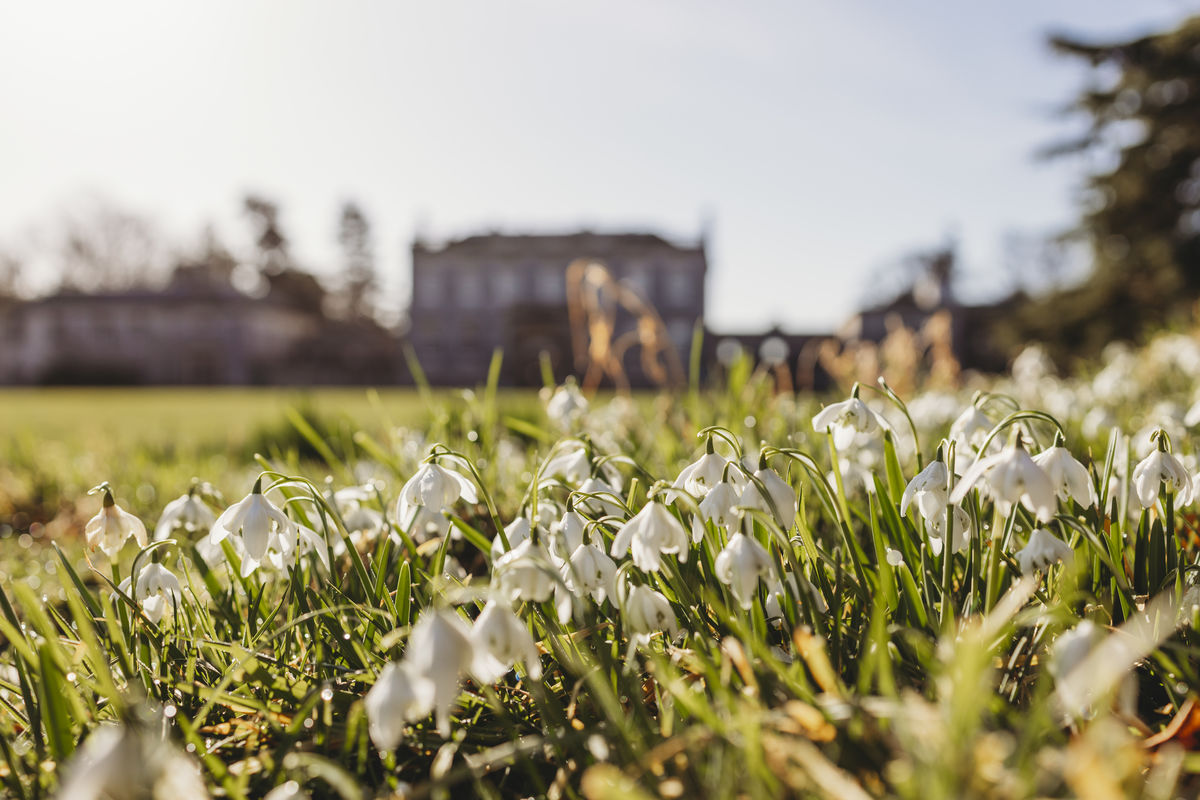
<point>818,142</point>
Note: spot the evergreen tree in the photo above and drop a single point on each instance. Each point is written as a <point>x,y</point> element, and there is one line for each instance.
<point>1142,209</point>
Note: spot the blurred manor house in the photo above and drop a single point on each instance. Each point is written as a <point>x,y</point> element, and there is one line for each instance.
<point>616,308</point>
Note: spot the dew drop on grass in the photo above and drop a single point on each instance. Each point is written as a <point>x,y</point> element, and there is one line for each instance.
<point>327,694</point>
<point>308,723</point>
<point>169,711</point>
<point>70,676</point>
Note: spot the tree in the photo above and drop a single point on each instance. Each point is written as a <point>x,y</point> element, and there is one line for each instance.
<point>358,253</point>
<point>101,247</point>
<point>1141,211</point>
<point>272,244</point>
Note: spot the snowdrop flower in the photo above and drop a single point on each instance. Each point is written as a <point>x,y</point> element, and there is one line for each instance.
<point>937,530</point>
<point>929,489</point>
<point>400,695</point>
<point>590,571</point>
<point>846,419</point>
<point>739,566</point>
<point>604,498</point>
<point>572,462</point>
<point>647,612</point>
<point>1160,467</point>
<point>567,533</point>
<point>651,532</point>
<point>157,590</point>
<point>262,527</point>
<point>1069,477</point>
<point>111,526</point>
<point>567,405</point>
<point>698,478</point>
<point>516,532</point>
<point>187,513</point>
<point>526,572</point>
<point>440,651</point>
<point>780,501</point>
<point>1042,550</point>
<point>1011,477</point>
<point>426,495</point>
<point>971,429</point>
<point>118,761</point>
<point>719,507</point>
<point>499,639</point>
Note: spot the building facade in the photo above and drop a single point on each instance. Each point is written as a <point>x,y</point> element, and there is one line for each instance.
<point>199,330</point>
<point>475,295</point>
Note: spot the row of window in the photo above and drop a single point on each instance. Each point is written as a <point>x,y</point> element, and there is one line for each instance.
<point>499,287</point>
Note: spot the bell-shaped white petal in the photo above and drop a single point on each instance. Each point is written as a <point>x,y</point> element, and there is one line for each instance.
<point>111,527</point>
<point>740,565</point>
<point>970,429</point>
<point>516,532</point>
<point>651,532</point>
<point>590,571</point>
<point>440,651</point>
<point>932,483</point>
<point>566,534</point>
<point>526,572</point>
<point>937,530</point>
<point>1011,477</point>
<point>117,761</point>
<point>400,695</point>
<point>720,507</point>
<point>567,405</point>
<point>702,474</point>
<point>500,639</point>
<point>432,490</point>
<point>597,497</point>
<point>188,513</point>
<point>1069,477</point>
<point>1156,469</point>
<point>648,612</point>
<point>1042,550</point>
<point>846,419</point>
<point>780,501</point>
<point>260,527</point>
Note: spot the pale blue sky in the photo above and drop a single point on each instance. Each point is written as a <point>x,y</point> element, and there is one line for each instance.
<point>823,140</point>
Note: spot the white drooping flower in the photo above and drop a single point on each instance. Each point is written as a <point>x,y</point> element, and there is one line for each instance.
<point>937,530</point>
<point>187,513</point>
<point>720,507</point>
<point>426,495</point>
<point>112,526</point>
<point>1010,477</point>
<point>567,534</point>
<point>118,761</point>
<point>590,571</point>
<point>1042,550</point>
<point>740,565</point>
<point>647,612</point>
<point>500,639</point>
<point>264,531</point>
<point>567,405</point>
<point>700,476</point>
<point>516,532</point>
<point>1069,477</point>
<point>400,695</point>
<point>780,501</point>
<point>1156,469</point>
<point>651,532</point>
<point>597,497</point>
<point>929,489</point>
<point>846,419</point>
<point>157,591</point>
<point>440,651</point>
<point>572,461</point>
<point>526,572</point>
<point>970,429</point>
